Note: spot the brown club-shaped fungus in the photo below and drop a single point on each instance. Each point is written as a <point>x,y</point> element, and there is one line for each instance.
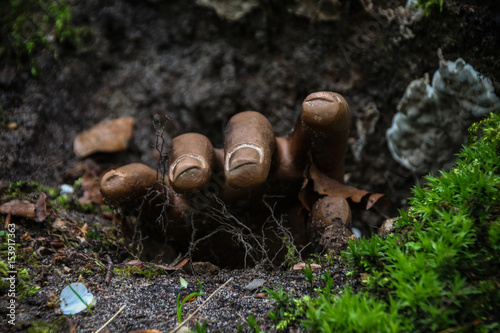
<point>250,156</point>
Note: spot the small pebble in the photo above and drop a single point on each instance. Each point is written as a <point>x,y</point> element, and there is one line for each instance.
<point>257,283</point>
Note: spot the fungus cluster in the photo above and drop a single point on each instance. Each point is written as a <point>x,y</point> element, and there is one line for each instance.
<point>432,119</point>
<point>253,163</point>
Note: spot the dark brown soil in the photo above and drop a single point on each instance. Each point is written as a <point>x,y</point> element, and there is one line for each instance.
<point>159,60</point>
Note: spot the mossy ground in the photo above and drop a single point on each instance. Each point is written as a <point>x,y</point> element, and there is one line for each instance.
<point>439,269</point>
<point>29,27</point>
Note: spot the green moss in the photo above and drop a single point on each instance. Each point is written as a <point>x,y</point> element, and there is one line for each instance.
<point>30,26</point>
<point>23,286</point>
<point>439,270</point>
<point>147,271</point>
<point>22,188</point>
<point>92,235</point>
<point>69,202</point>
<point>429,5</point>
<point>441,265</point>
<point>47,327</point>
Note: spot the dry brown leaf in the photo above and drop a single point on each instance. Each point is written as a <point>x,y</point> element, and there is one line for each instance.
<point>325,185</point>
<point>70,326</point>
<point>43,251</point>
<point>135,263</point>
<point>7,221</point>
<point>84,229</point>
<point>91,185</point>
<point>41,208</point>
<point>182,263</point>
<point>23,208</point>
<point>302,265</point>
<point>108,136</point>
<point>60,225</point>
<point>167,268</point>
<point>26,237</point>
<point>174,268</point>
<point>19,208</point>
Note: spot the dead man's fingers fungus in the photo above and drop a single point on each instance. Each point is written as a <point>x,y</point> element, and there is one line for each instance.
<point>248,149</point>
<point>127,183</point>
<point>328,116</point>
<point>128,186</point>
<point>191,160</point>
<point>322,129</point>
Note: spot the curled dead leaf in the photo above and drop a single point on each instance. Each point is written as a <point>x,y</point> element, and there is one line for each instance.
<point>302,265</point>
<point>7,221</point>
<point>19,208</point>
<point>60,225</point>
<point>91,185</point>
<point>84,229</point>
<point>108,136</point>
<point>134,263</point>
<point>43,251</point>
<point>26,237</point>
<point>41,208</point>
<point>23,208</point>
<point>174,268</point>
<point>325,185</point>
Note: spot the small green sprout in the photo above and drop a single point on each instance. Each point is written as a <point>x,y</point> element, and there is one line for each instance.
<point>180,303</point>
<point>252,323</point>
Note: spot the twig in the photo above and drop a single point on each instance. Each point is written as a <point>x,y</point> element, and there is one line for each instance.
<point>110,269</point>
<point>116,314</point>
<point>195,311</point>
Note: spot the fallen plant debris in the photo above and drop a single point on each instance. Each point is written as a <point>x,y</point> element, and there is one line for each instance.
<point>324,185</point>
<point>18,207</point>
<point>108,136</point>
<point>91,185</point>
<point>23,208</point>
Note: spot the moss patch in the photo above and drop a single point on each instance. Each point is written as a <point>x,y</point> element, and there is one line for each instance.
<point>438,271</point>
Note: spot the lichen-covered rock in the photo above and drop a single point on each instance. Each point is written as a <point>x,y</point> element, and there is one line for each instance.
<point>432,120</point>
